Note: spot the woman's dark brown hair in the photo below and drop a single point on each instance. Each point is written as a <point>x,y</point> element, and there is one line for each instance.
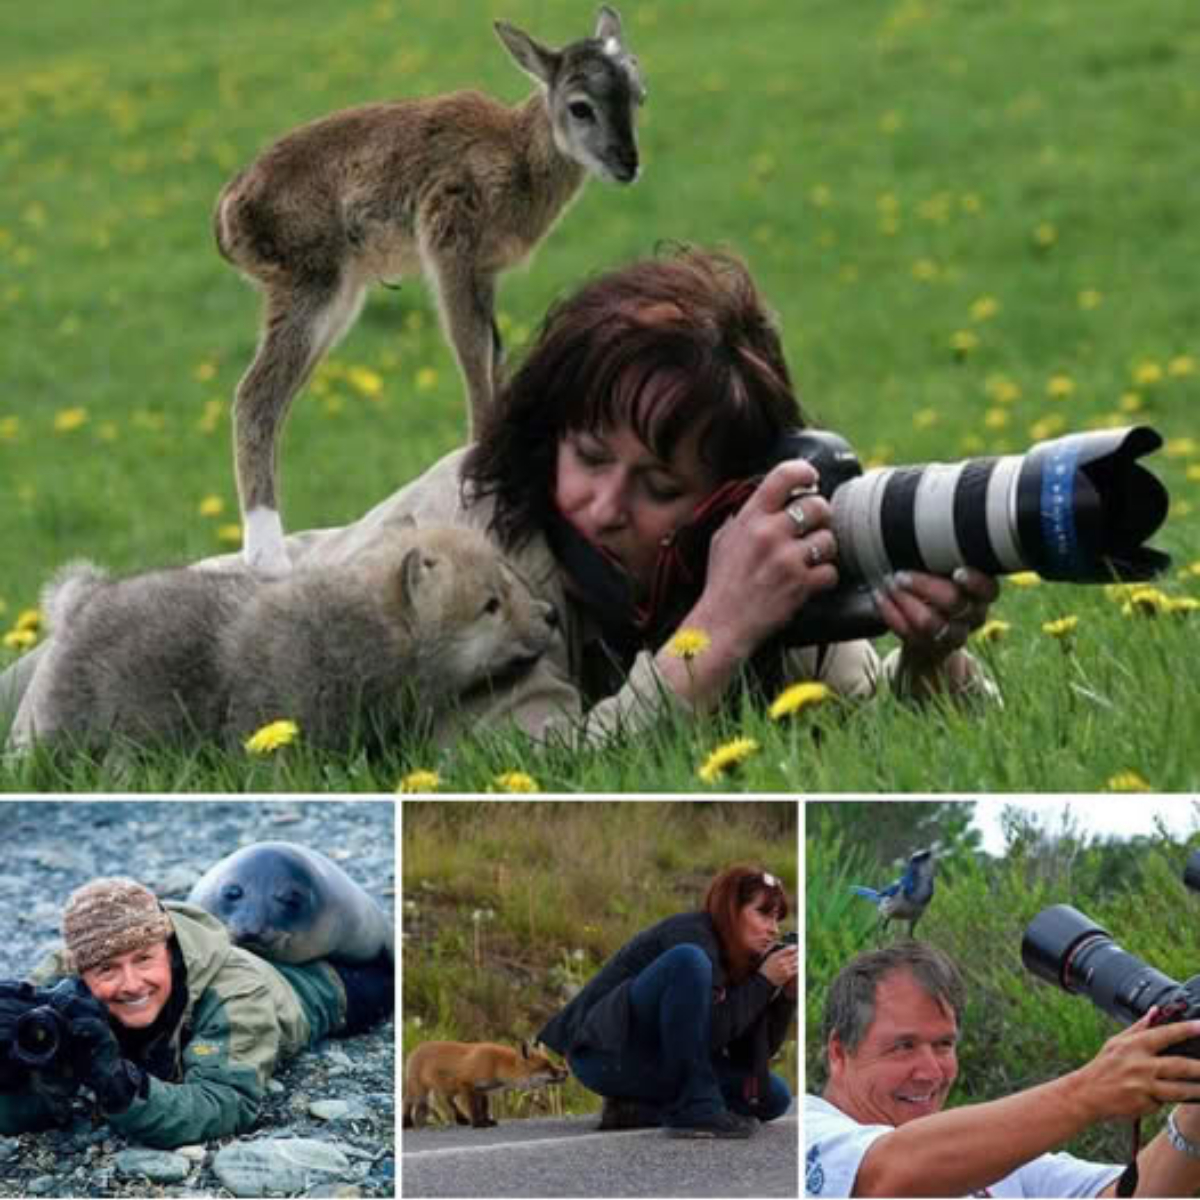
<point>727,895</point>
<point>665,345</point>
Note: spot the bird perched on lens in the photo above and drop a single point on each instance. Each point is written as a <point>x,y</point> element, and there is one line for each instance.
<point>907,897</point>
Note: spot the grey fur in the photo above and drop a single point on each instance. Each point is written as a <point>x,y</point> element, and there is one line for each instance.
<point>363,650</point>
<point>291,904</point>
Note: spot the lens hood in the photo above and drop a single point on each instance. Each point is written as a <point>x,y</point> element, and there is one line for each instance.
<point>1086,507</point>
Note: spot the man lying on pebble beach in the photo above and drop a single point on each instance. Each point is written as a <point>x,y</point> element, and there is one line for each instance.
<point>173,1029</point>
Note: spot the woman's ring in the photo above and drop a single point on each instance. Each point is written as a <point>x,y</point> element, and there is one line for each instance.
<point>795,510</point>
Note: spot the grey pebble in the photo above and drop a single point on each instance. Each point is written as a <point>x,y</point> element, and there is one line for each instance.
<point>159,1166</point>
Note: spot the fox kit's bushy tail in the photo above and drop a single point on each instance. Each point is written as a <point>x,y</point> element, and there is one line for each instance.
<point>70,586</point>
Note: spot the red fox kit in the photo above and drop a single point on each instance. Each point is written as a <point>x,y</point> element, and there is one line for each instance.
<point>462,1074</point>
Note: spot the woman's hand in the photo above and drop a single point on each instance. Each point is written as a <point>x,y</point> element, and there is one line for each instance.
<point>782,967</point>
<point>766,562</point>
<point>933,616</point>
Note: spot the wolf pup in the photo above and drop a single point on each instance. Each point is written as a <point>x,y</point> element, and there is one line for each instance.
<point>463,1073</point>
<point>362,650</point>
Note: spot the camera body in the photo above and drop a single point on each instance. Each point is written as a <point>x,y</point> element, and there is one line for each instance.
<point>42,1038</point>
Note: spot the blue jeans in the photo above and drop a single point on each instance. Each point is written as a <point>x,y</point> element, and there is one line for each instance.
<point>667,1062</point>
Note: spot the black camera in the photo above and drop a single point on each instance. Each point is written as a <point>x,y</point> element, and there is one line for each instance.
<point>1069,950</point>
<point>41,1037</point>
<point>1077,509</point>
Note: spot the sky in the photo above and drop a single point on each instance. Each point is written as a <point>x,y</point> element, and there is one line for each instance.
<point>1114,815</point>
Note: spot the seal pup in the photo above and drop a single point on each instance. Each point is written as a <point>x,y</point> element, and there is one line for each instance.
<point>288,903</point>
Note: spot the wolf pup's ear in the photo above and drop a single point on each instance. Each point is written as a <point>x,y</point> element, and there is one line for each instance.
<point>414,569</point>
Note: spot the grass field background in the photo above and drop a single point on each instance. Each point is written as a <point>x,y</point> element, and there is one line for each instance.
<point>975,220</point>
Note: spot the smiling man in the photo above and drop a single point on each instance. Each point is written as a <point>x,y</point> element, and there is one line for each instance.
<point>891,1028</point>
<point>171,1027</point>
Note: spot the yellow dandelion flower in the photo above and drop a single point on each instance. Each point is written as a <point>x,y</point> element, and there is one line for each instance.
<point>971,203</point>
<point>1062,628</point>
<point>427,378</point>
<point>1193,473</point>
<point>1181,447</point>
<point>1090,299</point>
<point>214,411</point>
<point>20,639</point>
<point>985,308</point>
<point>366,381</point>
<point>1047,427</point>
<point>1002,389</point>
<point>925,418</point>
<point>271,737</point>
<point>797,698</point>
<point>1147,374</point>
<point>1181,365</point>
<point>1193,568</point>
<point>1131,402</point>
<point>212,506</point>
<point>229,535</point>
<point>68,419</point>
<point>688,643</point>
<point>1127,781</point>
<point>9,428</point>
<point>891,122</point>
<point>1182,606</point>
<point>728,756</point>
<point>1045,235</point>
<point>820,196</point>
<point>1145,602</point>
<point>1059,387</point>
<point>1118,593</point>
<point>29,619</point>
<point>204,371</point>
<point>963,341</point>
<point>516,781</point>
<point>420,781</point>
<point>991,631</point>
<point>725,758</point>
<point>1025,579</point>
<point>995,418</point>
<point>924,270</point>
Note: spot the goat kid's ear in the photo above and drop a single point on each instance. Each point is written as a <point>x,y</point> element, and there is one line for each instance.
<point>608,25</point>
<point>532,57</point>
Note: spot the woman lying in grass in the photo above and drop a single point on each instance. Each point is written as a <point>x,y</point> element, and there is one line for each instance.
<point>645,391</point>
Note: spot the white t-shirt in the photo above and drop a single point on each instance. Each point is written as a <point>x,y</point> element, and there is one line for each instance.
<point>835,1144</point>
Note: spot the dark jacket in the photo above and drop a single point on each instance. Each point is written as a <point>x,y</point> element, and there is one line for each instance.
<point>749,1019</point>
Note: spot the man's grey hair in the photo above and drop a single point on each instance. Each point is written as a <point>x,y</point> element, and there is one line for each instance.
<point>850,1004</point>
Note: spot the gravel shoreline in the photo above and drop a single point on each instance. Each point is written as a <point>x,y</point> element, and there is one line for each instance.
<point>53,846</point>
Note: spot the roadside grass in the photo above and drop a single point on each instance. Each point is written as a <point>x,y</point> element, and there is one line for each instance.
<point>510,906</point>
<point>975,222</point>
<point>1016,1031</point>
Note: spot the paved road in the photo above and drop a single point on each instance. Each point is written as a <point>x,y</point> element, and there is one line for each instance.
<point>567,1157</point>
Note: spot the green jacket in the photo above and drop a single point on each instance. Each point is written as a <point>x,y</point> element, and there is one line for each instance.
<point>242,1015</point>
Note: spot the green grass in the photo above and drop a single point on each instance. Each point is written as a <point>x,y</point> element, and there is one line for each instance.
<point>883,166</point>
<point>510,906</point>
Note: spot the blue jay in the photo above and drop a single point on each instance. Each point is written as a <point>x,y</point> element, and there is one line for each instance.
<point>909,896</point>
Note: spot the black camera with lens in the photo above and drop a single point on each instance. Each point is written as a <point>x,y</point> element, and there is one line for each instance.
<point>1076,509</point>
<point>1066,948</point>
<point>41,1038</point>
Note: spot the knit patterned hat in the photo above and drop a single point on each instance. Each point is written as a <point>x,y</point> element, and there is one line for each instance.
<point>108,917</point>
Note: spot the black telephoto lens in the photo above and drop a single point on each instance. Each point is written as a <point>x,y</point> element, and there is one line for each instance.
<point>1191,871</point>
<point>1069,950</point>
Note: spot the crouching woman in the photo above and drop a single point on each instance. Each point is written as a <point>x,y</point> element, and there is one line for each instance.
<point>678,1027</point>
<point>171,1027</point>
